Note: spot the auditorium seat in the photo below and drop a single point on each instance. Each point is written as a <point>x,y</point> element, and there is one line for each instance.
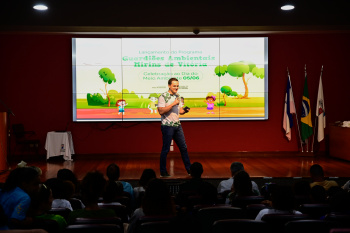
<point>207,216</point>
<point>240,226</point>
<point>316,211</point>
<point>156,227</point>
<point>251,211</point>
<point>277,221</point>
<point>93,228</point>
<point>105,220</point>
<point>156,222</point>
<point>308,225</point>
<point>342,220</point>
<point>120,210</point>
<point>243,201</point>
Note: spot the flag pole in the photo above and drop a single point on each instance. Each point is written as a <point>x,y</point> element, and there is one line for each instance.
<point>296,115</point>
<point>306,140</point>
<point>313,137</point>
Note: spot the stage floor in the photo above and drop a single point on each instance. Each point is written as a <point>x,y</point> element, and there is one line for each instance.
<point>215,165</point>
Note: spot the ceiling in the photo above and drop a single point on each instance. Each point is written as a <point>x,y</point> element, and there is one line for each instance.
<point>179,16</point>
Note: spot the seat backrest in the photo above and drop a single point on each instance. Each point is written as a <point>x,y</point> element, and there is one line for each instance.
<point>156,227</point>
<point>243,201</point>
<point>252,210</point>
<point>315,210</point>
<point>240,226</point>
<point>341,219</point>
<point>93,228</point>
<point>120,210</point>
<point>277,221</point>
<point>307,226</point>
<point>207,216</point>
<point>160,222</point>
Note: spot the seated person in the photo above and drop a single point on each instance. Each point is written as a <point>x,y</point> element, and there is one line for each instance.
<point>112,191</point>
<point>41,204</point>
<point>58,193</point>
<point>242,186</point>
<point>282,201</point>
<point>225,185</point>
<point>317,177</point>
<point>147,175</point>
<point>92,187</point>
<point>113,173</point>
<point>15,197</point>
<point>156,202</point>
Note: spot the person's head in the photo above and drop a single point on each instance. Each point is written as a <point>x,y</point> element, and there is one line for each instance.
<point>92,187</point>
<point>112,190</point>
<point>182,100</point>
<point>316,172</point>
<point>42,201</point>
<point>68,189</point>
<point>236,167</point>
<point>208,193</point>
<point>282,198</point>
<point>196,170</point>
<point>146,176</point>
<point>318,194</point>
<point>340,201</point>
<point>66,174</point>
<point>26,178</point>
<point>242,184</point>
<point>113,172</point>
<point>173,85</point>
<point>157,199</point>
<point>57,187</point>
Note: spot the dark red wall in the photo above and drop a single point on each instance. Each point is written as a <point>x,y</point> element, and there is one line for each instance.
<point>36,83</point>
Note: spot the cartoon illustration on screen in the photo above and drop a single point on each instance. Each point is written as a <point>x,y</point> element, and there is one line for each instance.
<point>121,105</point>
<point>152,106</point>
<point>209,100</point>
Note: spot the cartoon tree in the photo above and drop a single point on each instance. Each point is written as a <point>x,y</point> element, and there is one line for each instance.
<point>226,90</point>
<point>108,77</point>
<point>221,70</point>
<point>241,69</point>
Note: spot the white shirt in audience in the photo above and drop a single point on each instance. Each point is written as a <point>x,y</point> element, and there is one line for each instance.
<point>226,185</point>
<point>61,203</point>
<point>274,211</point>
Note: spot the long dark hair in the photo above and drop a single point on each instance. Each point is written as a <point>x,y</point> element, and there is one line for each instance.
<point>19,176</point>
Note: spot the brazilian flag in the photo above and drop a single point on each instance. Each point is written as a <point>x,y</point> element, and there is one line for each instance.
<point>306,124</point>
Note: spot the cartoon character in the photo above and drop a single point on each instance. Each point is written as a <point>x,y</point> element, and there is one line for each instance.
<point>152,105</point>
<point>210,103</point>
<point>121,105</point>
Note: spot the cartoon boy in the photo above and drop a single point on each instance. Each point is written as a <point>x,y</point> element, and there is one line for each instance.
<point>152,105</point>
<point>210,103</point>
<point>121,105</point>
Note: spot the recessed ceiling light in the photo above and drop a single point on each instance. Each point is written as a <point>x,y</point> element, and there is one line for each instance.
<point>40,7</point>
<point>287,7</point>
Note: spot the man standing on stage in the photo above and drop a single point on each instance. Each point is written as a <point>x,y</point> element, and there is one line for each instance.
<point>169,107</point>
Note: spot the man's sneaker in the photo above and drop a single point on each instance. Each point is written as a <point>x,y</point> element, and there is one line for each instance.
<point>164,174</point>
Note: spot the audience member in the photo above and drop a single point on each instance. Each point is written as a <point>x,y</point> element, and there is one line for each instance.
<point>147,175</point>
<point>41,204</point>
<point>92,187</point>
<point>15,197</point>
<point>113,190</point>
<point>225,185</point>
<point>67,175</point>
<point>58,192</point>
<point>317,177</point>
<point>282,200</point>
<point>242,186</point>
<point>156,202</point>
<point>318,195</point>
<point>113,173</point>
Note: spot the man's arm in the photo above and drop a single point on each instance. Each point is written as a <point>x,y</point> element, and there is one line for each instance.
<point>166,109</point>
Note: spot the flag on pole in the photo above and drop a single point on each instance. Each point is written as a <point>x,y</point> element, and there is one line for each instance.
<point>306,124</point>
<point>289,110</point>
<point>320,112</point>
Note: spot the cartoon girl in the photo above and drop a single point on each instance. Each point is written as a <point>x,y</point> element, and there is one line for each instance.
<point>121,105</point>
<point>210,103</point>
<point>152,105</point>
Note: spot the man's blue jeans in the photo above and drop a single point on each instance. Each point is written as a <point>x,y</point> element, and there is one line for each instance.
<point>176,133</point>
